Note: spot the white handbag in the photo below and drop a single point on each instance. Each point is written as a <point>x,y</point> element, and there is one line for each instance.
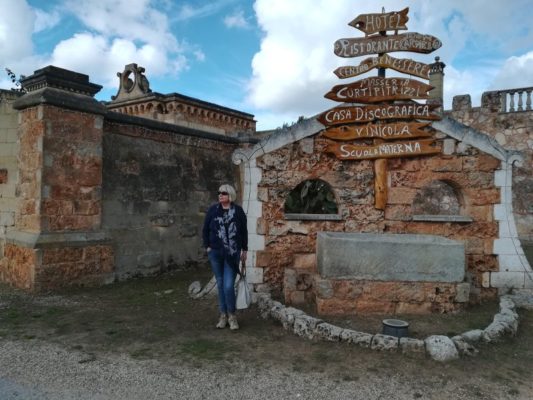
<point>244,297</point>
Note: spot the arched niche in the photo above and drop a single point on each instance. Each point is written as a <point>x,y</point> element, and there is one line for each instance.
<point>311,199</point>
<point>439,200</point>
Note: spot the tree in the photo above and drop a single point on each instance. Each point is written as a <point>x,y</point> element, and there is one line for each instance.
<point>16,81</point>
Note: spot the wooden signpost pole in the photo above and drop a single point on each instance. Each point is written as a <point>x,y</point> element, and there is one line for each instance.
<point>380,165</point>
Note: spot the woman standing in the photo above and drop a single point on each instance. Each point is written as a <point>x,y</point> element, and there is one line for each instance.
<point>225,236</point>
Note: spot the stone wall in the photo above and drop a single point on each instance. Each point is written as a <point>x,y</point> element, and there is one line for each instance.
<point>8,162</point>
<point>158,182</point>
<point>514,131</point>
<point>288,257</point>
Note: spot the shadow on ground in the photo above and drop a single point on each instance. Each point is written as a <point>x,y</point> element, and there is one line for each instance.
<point>153,318</point>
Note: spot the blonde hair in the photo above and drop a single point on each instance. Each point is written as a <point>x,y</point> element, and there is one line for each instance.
<point>231,191</point>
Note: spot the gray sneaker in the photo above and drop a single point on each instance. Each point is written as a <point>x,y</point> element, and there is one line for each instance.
<point>222,321</point>
<point>233,324</point>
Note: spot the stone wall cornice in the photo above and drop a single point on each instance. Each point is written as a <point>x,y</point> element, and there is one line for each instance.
<point>35,240</point>
<point>60,98</point>
<point>475,138</point>
<point>124,119</point>
<point>278,139</point>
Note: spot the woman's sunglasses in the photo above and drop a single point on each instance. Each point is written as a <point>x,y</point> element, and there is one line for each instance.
<point>223,193</point>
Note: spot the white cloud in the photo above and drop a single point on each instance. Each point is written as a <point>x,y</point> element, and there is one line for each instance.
<point>236,20</point>
<point>44,20</point>
<point>16,27</point>
<point>516,72</point>
<point>293,68</point>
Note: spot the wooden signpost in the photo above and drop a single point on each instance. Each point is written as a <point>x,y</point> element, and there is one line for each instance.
<point>372,90</point>
<point>379,22</point>
<point>393,131</point>
<point>405,65</point>
<point>415,42</point>
<point>384,150</point>
<point>382,123</point>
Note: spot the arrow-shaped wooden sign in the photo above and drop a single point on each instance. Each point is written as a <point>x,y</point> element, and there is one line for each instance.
<point>391,131</point>
<point>377,89</point>
<point>410,148</point>
<point>405,65</point>
<point>355,47</point>
<point>405,110</point>
<point>372,23</point>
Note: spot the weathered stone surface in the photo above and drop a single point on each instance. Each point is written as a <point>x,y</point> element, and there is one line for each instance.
<point>473,336</point>
<point>495,331</point>
<point>410,345</point>
<point>463,292</point>
<point>323,288</point>
<point>305,326</point>
<point>441,348</point>
<point>361,339</point>
<point>464,347</point>
<point>390,257</point>
<point>384,343</point>
<point>328,332</point>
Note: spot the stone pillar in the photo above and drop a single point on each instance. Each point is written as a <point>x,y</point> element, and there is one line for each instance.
<point>436,79</point>
<point>57,239</point>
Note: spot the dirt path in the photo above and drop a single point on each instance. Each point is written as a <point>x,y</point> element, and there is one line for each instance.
<point>146,339</point>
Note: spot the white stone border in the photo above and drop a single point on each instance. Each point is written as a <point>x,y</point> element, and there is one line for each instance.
<point>515,272</point>
<point>438,347</point>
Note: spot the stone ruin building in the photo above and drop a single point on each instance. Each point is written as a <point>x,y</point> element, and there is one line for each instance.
<point>94,192</point>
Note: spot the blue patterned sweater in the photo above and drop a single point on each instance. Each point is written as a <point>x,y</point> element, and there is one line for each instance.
<point>226,231</point>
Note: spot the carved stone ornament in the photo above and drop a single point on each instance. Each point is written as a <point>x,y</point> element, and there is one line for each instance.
<point>133,83</point>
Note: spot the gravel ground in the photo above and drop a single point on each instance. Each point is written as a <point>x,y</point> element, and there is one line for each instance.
<point>35,370</point>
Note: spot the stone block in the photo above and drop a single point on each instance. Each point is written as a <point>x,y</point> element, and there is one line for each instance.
<point>410,345</point>
<point>328,332</point>
<point>263,258</point>
<point>441,348</point>
<point>384,343</point>
<point>354,337</point>
<point>473,336</point>
<point>390,257</point>
<point>3,175</point>
<point>305,326</point>
<point>462,292</point>
<point>413,308</point>
<point>464,347</point>
<point>333,306</point>
<point>494,332</point>
<point>305,261</point>
<point>323,288</point>
<point>507,279</point>
<point>254,275</point>
<point>256,242</point>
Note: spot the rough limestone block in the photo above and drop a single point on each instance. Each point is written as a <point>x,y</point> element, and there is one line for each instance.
<point>473,336</point>
<point>390,257</point>
<point>323,288</point>
<point>305,326</point>
<point>506,302</point>
<point>384,343</point>
<point>441,348</point>
<point>358,338</point>
<point>462,292</point>
<point>328,332</point>
<point>288,316</point>
<point>509,320</point>
<point>494,332</point>
<point>464,348</point>
<point>410,345</point>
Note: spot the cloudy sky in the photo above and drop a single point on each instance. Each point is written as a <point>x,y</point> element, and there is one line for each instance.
<point>271,58</point>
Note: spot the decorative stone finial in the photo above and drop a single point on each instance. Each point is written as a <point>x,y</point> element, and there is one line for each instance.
<point>437,66</point>
<point>131,88</point>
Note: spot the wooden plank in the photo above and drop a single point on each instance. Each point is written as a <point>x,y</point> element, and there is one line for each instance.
<point>404,65</point>
<point>415,42</point>
<point>374,112</point>
<point>390,131</point>
<point>380,183</point>
<point>412,148</point>
<point>377,89</point>
<point>381,22</point>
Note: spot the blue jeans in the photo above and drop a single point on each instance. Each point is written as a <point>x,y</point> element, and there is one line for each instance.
<point>225,275</point>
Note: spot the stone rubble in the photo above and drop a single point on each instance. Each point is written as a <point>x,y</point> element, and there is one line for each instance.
<point>439,347</point>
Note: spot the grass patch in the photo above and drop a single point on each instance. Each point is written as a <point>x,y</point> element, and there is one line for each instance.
<point>206,349</point>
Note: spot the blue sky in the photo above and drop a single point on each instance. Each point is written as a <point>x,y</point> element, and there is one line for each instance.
<point>271,58</point>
